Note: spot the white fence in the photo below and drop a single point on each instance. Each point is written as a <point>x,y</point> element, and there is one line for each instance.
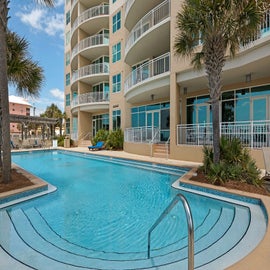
<point>254,134</point>
<point>140,134</point>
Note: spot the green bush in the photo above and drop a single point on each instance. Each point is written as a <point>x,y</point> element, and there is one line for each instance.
<point>60,140</point>
<point>235,164</point>
<point>101,135</point>
<point>115,140</point>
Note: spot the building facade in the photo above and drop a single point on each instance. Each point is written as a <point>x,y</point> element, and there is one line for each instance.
<point>121,71</point>
<point>19,106</point>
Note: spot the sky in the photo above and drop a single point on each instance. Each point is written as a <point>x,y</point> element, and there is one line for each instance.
<point>43,28</point>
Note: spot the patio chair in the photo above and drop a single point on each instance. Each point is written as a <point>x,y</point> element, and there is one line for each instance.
<point>98,146</point>
<point>266,155</point>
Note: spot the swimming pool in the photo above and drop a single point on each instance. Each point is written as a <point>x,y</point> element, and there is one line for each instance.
<point>101,213</point>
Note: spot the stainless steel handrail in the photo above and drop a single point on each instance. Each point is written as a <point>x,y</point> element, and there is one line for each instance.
<point>177,198</point>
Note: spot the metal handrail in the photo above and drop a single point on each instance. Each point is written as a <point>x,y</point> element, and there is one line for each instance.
<point>189,218</point>
<point>152,141</point>
<point>167,146</point>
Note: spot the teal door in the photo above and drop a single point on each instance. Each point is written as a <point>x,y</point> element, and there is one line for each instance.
<point>152,124</point>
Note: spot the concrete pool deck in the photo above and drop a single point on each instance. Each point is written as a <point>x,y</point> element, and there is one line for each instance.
<point>257,259</point>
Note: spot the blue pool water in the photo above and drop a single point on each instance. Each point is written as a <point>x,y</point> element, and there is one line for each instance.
<point>100,215</point>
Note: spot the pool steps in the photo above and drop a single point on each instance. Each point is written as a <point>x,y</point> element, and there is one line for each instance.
<point>27,240</point>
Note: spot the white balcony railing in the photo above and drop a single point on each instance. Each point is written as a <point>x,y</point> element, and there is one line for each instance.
<point>91,70</point>
<point>140,134</point>
<point>88,98</point>
<point>151,19</point>
<point>254,134</point>
<point>90,13</point>
<point>96,40</point>
<point>148,70</point>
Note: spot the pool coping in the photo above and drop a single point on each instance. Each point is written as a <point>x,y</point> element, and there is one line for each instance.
<point>256,259</point>
<point>38,188</point>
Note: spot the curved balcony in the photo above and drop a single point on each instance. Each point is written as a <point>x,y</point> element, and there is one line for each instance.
<point>84,21</point>
<point>90,102</point>
<point>152,79</point>
<point>91,74</point>
<point>91,47</point>
<point>146,35</point>
<point>134,10</point>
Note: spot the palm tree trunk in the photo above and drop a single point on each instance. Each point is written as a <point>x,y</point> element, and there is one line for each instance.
<point>5,124</point>
<point>215,60</point>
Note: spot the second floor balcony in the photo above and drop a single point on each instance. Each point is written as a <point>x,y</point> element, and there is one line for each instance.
<point>151,77</point>
<point>91,74</point>
<point>91,102</point>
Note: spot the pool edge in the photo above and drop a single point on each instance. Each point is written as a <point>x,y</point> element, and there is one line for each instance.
<point>259,257</point>
<point>38,188</point>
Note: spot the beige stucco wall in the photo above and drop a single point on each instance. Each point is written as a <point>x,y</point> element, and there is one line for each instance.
<point>143,149</point>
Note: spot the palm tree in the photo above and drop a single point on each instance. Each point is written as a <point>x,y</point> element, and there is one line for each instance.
<point>22,71</point>
<point>219,26</point>
<point>4,105</point>
<point>54,112</point>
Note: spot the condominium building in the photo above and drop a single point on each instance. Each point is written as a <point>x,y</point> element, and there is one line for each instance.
<point>121,71</point>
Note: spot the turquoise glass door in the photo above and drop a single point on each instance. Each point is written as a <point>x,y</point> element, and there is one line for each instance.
<point>152,124</point>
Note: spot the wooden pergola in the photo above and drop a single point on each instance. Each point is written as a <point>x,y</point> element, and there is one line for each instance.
<point>44,122</point>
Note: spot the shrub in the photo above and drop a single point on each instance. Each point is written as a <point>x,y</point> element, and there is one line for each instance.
<point>235,164</point>
<point>101,135</point>
<point>115,140</point>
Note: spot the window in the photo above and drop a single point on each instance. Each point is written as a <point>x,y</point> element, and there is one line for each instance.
<point>114,1</point>
<point>68,17</point>
<point>68,126</point>
<point>116,119</point>
<point>67,58</point>
<point>116,83</point>
<point>116,52</point>
<point>68,100</point>
<point>116,21</point>
<point>100,122</point>
<point>67,79</point>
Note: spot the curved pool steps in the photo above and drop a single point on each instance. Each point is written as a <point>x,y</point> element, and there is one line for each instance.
<point>28,244</point>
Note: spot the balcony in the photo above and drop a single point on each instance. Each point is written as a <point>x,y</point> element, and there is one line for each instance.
<point>151,78</point>
<point>91,102</point>
<point>91,74</point>
<point>253,134</point>
<point>101,13</point>
<point>134,10</point>
<point>92,47</point>
<point>146,35</point>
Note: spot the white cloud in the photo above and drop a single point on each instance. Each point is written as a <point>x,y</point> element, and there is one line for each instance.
<point>59,3</point>
<point>34,18</point>
<point>57,93</point>
<point>54,24</point>
<point>44,20</point>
